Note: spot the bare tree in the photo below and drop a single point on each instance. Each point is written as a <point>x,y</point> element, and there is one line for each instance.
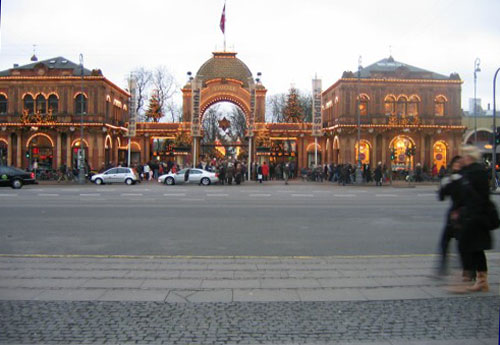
<point>211,124</point>
<point>238,123</point>
<point>275,105</point>
<point>164,83</point>
<point>174,110</point>
<point>143,80</point>
<point>305,102</point>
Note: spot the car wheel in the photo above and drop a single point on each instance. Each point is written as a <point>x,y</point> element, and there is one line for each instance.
<point>205,181</point>
<point>98,181</point>
<point>17,184</point>
<point>169,181</point>
<point>129,181</point>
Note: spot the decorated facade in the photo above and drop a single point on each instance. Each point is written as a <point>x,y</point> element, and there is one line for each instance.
<point>407,116</point>
<point>42,106</point>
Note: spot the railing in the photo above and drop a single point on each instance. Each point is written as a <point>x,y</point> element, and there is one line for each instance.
<point>384,120</point>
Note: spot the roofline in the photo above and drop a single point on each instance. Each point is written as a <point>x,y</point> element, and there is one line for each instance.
<point>76,78</point>
<point>393,80</point>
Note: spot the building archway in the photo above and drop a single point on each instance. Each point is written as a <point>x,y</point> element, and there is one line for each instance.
<point>311,152</point>
<point>75,146</point>
<point>439,154</point>
<point>365,152</point>
<point>108,150</point>
<point>40,148</point>
<point>336,150</point>
<point>4,146</point>
<point>401,148</point>
<point>223,77</point>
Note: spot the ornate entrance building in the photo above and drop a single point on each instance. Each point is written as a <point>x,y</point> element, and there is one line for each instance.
<point>225,78</point>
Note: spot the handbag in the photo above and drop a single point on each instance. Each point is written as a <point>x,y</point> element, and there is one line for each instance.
<point>259,176</point>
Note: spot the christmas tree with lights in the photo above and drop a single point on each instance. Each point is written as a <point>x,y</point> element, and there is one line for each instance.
<point>154,112</point>
<point>293,111</point>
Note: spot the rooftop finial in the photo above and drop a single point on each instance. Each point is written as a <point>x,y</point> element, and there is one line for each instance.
<point>34,58</point>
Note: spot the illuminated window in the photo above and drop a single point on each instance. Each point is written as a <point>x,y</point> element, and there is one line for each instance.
<point>413,105</point>
<point>80,104</point>
<point>363,105</point>
<point>364,152</point>
<point>29,104</point>
<point>53,104</point>
<point>439,106</point>
<point>41,104</point>
<point>3,104</point>
<point>390,105</point>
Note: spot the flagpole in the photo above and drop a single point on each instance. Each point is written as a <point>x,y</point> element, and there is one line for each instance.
<point>224,25</point>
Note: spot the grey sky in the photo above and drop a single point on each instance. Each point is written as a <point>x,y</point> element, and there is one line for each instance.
<point>288,41</point>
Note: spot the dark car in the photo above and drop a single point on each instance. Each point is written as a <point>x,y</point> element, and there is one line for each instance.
<point>15,178</point>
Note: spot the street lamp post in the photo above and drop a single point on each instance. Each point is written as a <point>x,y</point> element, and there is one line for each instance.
<point>81,152</point>
<point>359,177</point>
<point>494,153</point>
<point>476,69</point>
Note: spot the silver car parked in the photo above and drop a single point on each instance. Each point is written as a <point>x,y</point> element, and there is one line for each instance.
<point>198,176</point>
<point>116,175</point>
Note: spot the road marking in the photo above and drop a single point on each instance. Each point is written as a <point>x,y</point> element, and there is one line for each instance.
<point>90,194</point>
<point>47,194</point>
<point>344,195</point>
<point>217,194</point>
<point>382,195</point>
<point>174,194</point>
<point>259,195</point>
<point>427,194</point>
<point>8,195</point>
<point>131,194</point>
<point>193,199</point>
<point>287,191</point>
<point>303,195</point>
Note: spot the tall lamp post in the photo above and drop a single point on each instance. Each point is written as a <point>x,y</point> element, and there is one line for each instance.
<point>494,153</point>
<point>81,151</point>
<point>359,176</point>
<point>476,69</point>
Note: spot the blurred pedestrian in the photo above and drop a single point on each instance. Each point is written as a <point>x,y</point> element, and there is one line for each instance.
<point>450,187</point>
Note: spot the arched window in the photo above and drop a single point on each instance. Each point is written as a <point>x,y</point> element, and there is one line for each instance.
<point>41,104</point>
<point>401,105</point>
<point>107,110</point>
<point>413,105</point>
<point>390,105</point>
<point>80,104</point>
<point>3,104</point>
<point>53,104</point>
<point>363,105</point>
<point>439,106</point>
<point>29,104</point>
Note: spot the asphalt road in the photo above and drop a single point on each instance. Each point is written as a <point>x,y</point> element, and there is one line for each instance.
<point>249,220</point>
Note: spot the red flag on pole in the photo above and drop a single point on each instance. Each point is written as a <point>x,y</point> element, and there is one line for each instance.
<point>222,24</point>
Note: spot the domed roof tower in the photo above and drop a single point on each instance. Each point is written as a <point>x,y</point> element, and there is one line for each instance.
<point>224,65</point>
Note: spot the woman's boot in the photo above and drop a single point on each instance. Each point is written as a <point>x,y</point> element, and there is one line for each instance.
<point>481,283</point>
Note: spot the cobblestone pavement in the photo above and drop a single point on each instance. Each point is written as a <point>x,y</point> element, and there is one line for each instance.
<point>62,322</point>
<point>378,300</point>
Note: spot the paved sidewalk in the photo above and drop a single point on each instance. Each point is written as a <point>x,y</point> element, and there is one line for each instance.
<point>186,300</point>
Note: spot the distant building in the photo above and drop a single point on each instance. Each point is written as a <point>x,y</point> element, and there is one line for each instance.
<point>408,115</point>
<point>41,107</point>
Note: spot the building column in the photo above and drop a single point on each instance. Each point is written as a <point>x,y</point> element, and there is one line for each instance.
<point>19,162</point>
<point>422,149</point>
<point>69,162</point>
<point>58,149</point>
<point>9,149</point>
<point>384,149</point>
<point>373,163</point>
<point>100,152</point>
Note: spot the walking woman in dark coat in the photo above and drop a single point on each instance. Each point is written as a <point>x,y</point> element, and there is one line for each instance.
<point>450,187</point>
<point>474,235</point>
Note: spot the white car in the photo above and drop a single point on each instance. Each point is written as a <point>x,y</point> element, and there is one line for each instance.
<point>116,175</point>
<point>189,175</point>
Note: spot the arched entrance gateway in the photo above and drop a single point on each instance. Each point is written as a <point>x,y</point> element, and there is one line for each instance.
<point>223,78</point>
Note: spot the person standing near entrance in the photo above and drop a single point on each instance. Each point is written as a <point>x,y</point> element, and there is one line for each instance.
<point>378,174</point>
<point>259,173</point>
<point>265,171</point>
<point>286,172</point>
